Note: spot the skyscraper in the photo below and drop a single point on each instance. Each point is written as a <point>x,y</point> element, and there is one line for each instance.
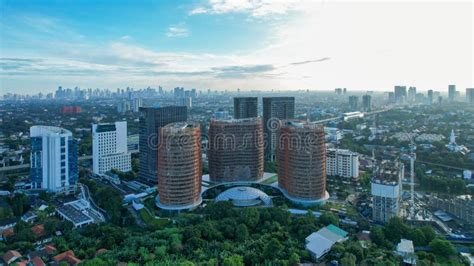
<point>412,94</point>
<point>353,103</point>
<point>151,120</point>
<point>245,107</point>
<point>470,95</point>
<point>179,166</point>
<point>274,110</point>
<point>53,159</point>
<point>136,104</point>
<point>400,94</point>
<point>430,97</point>
<point>301,156</point>
<point>109,147</point>
<point>451,92</point>
<point>236,150</point>
<point>367,103</point>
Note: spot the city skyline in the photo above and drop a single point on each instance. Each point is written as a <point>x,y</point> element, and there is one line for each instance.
<point>235,44</point>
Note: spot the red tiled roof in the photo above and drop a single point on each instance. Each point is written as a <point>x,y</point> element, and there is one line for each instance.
<point>37,261</point>
<point>67,256</point>
<point>38,229</point>
<point>50,249</point>
<point>11,255</point>
<point>9,232</point>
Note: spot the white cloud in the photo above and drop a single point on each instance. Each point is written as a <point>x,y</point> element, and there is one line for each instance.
<point>256,8</point>
<point>177,32</point>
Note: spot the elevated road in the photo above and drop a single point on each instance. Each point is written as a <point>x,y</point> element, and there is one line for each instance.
<point>341,117</point>
<point>27,165</point>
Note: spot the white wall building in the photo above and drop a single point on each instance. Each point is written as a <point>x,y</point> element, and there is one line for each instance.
<point>386,190</point>
<point>344,163</point>
<point>109,147</point>
<point>53,159</point>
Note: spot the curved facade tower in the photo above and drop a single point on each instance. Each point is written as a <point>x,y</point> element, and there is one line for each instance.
<point>301,156</point>
<point>236,150</point>
<point>179,167</point>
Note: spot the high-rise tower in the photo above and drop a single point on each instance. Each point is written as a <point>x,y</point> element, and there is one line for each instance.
<point>274,110</point>
<point>179,167</point>
<point>245,107</point>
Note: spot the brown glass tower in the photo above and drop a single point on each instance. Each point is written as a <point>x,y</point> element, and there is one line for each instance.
<point>301,157</point>
<point>236,150</point>
<point>179,166</point>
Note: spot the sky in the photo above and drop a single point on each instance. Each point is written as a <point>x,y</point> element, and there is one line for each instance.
<point>225,45</point>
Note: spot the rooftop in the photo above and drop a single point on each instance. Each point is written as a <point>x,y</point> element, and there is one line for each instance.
<point>245,196</point>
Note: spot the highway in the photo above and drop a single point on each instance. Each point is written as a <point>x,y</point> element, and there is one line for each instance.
<point>27,165</point>
<point>341,117</point>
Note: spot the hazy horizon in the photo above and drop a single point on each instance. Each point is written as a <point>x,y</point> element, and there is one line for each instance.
<point>225,45</point>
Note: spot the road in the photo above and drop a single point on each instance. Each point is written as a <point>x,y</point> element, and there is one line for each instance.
<point>27,165</point>
<point>341,117</point>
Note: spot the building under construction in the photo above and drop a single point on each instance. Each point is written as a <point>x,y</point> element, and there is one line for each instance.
<point>301,157</point>
<point>179,166</point>
<point>386,190</point>
<point>236,150</point>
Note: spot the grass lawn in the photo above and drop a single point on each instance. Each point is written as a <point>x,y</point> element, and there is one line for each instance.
<point>270,180</point>
<point>152,221</point>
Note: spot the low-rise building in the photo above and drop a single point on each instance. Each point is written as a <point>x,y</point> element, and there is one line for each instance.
<point>462,207</point>
<point>320,243</point>
<point>407,251</point>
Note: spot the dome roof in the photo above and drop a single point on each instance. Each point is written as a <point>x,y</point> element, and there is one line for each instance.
<point>245,196</point>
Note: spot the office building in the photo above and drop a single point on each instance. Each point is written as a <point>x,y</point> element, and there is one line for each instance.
<point>245,107</point>
<point>151,120</point>
<point>343,163</point>
<point>221,114</point>
<point>451,92</point>
<point>123,107</point>
<point>179,166</point>
<point>236,150</point>
<point>274,110</point>
<point>53,159</point>
<point>186,101</point>
<point>301,157</point>
<point>430,97</point>
<point>136,104</point>
<point>353,103</point>
<point>470,95</point>
<point>109,148</point>
<point>400,94</point>
<point>386,190</point>
<point>367,103</point>
<point>412,94</point>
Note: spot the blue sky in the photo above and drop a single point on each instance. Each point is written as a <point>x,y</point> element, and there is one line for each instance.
<point>230,44</point>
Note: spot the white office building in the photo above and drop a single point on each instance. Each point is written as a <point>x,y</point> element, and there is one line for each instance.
<point>53,159</point>
<point>109,147</point>
<point>344,163</point>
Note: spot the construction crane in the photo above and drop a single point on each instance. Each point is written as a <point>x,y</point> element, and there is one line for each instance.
<point>412,147</point>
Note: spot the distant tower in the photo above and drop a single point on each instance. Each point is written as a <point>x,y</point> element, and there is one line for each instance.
<point>301,156</point>
<point>274,110</point>
<point>452,137</point>
<point>179,167</point>
<point>451,92</point>
<point>245,107</point>
<point>353,103</point>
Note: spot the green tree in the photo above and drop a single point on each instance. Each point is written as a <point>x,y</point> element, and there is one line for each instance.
<point>241,233</point>
<point>328,218</point>
<point>250,217</point>
<point>377,235</point>
<point>234,260</point>
<point>272,249</point>
<point>442,247</point>
<point>294,259</point>
<point>348,260</point>
<point>395,229</point>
